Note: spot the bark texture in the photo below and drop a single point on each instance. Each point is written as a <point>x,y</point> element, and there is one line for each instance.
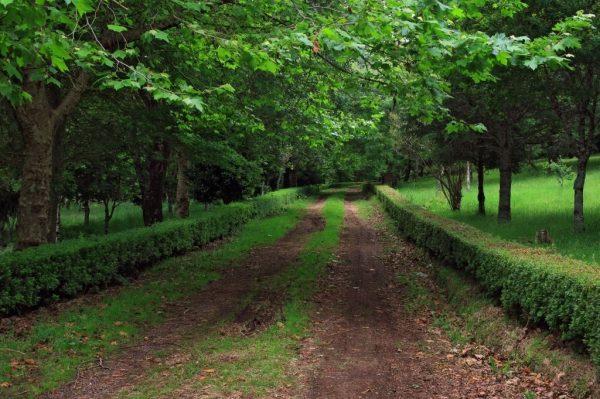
<point>86,213</point>
<point>39,121</point>
<point>480,188</point>
<point>505,166</point>
<point>182,206</point>
<point>153,192</point>
<point>578,185</point>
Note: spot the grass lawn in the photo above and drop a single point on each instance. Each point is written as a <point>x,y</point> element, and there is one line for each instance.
<point>127,216</point>
<point>538,202</point>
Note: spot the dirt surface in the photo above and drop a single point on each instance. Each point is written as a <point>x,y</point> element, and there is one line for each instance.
<point>193,316</point>
<point>367,344</point>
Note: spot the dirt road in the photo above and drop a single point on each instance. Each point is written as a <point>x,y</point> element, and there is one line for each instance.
<point>366,341</point>
<point>368,345</point>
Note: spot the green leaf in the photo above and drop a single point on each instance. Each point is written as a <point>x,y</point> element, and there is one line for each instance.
<point>223,54</point>
<point>226,88</point>
<point>195,102</point>
<point>116,28</point>
<point>159,34</point>
<point>59,63</point>
<point>5,3</point>
<point>503,57</point>
<point>83,6</point>
<point>268,66</point>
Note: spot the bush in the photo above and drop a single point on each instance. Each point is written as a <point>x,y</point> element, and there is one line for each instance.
<point>48,273</point>
<point>546,288</point>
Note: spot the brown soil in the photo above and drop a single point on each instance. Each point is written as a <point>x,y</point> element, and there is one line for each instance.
<point>193,316</point>
<point>367,344</point>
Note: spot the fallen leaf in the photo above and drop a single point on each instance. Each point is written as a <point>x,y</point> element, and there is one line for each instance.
<point>5,384</point>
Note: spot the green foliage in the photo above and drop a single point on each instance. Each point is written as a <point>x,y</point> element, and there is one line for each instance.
<point>558,291</point>
<point>561,170</point>
<point>48,273</point>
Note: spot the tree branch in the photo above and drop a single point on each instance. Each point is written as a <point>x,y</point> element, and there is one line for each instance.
<point>70,101</point>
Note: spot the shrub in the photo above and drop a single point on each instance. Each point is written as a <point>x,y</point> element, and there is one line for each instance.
<point>48,273</point>
<point>547,288</point>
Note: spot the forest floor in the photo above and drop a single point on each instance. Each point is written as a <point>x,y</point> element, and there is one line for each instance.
<point>324,312</point>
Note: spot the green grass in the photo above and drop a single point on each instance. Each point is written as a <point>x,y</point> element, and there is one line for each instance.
<point>256,365</point>
<point>538,202</point>
<point>58,345</point>
<point>127,216</point>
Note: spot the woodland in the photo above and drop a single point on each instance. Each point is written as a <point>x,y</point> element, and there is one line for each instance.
<point>135,136</point>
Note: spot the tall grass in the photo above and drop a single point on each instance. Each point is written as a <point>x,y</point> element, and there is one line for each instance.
<point>538,202</point>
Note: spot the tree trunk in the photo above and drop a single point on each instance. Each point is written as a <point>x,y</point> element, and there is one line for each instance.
<point>183,187</point>
<point>469,175</point>
<point>39,120</point>
<point>57,161</point>
<point>578,185</point>
<point>407,171</point>
<point>38,129</point>
<point>505,164</point>
<point>293,178</point>
<point>86,213</point>
<point>107,217</point>
<point>389,179</point>
<point>504,211</point>
<point>480,187</point>
<point>280,177</point>
<point>152,196</point>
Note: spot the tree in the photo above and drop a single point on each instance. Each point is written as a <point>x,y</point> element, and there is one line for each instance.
<point>54,50</point>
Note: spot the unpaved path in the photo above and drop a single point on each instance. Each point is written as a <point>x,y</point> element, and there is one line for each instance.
<point>192,317</point>
<point>368,345</point>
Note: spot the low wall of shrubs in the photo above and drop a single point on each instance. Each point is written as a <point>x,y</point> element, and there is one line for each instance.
<point>547,288</point>
<point>48,273</point>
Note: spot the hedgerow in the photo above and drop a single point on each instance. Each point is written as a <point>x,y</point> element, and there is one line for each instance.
<point>547,288</point>
<point>49,273</point>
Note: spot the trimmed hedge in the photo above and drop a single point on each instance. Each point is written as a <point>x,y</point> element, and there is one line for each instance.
<point>562,292</point>
<point>48,273</point>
